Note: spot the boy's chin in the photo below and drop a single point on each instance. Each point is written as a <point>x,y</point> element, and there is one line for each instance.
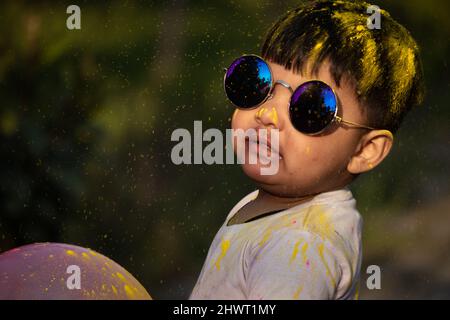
<point>273,184</point>
<point>256,173</point>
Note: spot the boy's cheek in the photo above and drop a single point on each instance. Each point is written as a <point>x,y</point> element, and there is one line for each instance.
<point>233,118</point>
<point>305,159</point>
<point>239,120</point>
<point>243,119</point>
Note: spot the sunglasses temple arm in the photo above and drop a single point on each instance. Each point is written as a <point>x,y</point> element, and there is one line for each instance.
<point>353,124</point>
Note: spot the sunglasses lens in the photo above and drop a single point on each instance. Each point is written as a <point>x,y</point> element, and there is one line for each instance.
<point>313,106</point>
<point>248,81</point>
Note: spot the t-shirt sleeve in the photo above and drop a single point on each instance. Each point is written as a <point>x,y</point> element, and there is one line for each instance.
<point>293,265</point>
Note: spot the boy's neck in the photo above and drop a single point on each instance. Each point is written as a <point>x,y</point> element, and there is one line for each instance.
<point>266,204</point>
<point>270,198</point>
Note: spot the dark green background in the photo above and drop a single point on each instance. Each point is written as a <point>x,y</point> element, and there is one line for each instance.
<point>85,124</point>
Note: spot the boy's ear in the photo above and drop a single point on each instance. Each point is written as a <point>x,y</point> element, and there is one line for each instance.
<point>372,149</point>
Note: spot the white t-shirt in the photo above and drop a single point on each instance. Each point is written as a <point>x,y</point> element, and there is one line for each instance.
<point>310,251</point>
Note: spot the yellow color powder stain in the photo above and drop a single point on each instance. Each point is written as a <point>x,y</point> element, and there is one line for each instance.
<point>261,112</point>
<point>266,237</point>
<point>402,73</point>
<point>364,37</point>
<point>121,277</point>
<point>85,255</point>
<point>357,291</point>
<point>70,253</point>
<point>304,249</point>
<point>297,292</point>
<point>114,289</point>
<point>319,45</point>
<point>315,53</point>
<point>225,245</point>
<point>318,221</point>
<point>295,251</point>
<point>274,117</point>
<point>267,234</point>
<point>128,291</point>
<point>320,249</point>
<point>308,150</point>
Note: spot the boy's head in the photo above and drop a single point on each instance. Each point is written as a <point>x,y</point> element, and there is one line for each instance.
<point>375,73</point>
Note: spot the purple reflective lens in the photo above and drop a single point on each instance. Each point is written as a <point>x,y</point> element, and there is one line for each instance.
<point>248,81</point>
<point>313,106</point>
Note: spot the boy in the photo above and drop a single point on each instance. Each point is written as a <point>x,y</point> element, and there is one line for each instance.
<point>336,91</point>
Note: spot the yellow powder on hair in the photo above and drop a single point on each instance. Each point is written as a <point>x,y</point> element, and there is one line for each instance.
<point>402,74</point>
<point>363,36</point>
<point>314,54</point>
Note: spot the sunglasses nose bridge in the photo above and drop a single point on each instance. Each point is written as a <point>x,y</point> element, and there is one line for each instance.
<point>284,84</point>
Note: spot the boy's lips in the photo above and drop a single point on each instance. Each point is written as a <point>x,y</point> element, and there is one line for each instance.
<point>265,143</point>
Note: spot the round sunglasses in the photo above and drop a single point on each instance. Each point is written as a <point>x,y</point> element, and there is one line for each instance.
<point>248,83</point>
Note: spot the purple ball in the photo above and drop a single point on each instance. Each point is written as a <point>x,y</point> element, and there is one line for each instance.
<point>48,271</point>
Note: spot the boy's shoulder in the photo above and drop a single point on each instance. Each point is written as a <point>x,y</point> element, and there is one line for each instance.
<point>331,215</point>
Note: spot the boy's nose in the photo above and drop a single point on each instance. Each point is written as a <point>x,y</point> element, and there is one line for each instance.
<point>268,113</point>
<point>267,116</point>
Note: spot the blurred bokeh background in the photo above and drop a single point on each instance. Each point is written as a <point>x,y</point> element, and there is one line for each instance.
<point>86,118</point>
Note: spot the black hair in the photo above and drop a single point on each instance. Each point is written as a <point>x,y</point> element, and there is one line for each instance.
<point>384,64</point>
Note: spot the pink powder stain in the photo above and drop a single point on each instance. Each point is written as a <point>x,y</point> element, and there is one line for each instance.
<point>307,263</point>
<point>294,221</point>
<point>11,251</point>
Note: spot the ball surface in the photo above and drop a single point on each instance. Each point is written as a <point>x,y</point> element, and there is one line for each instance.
<point>47,271</point>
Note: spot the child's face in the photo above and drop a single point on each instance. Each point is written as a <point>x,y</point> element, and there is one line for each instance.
<point>308,164</point>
